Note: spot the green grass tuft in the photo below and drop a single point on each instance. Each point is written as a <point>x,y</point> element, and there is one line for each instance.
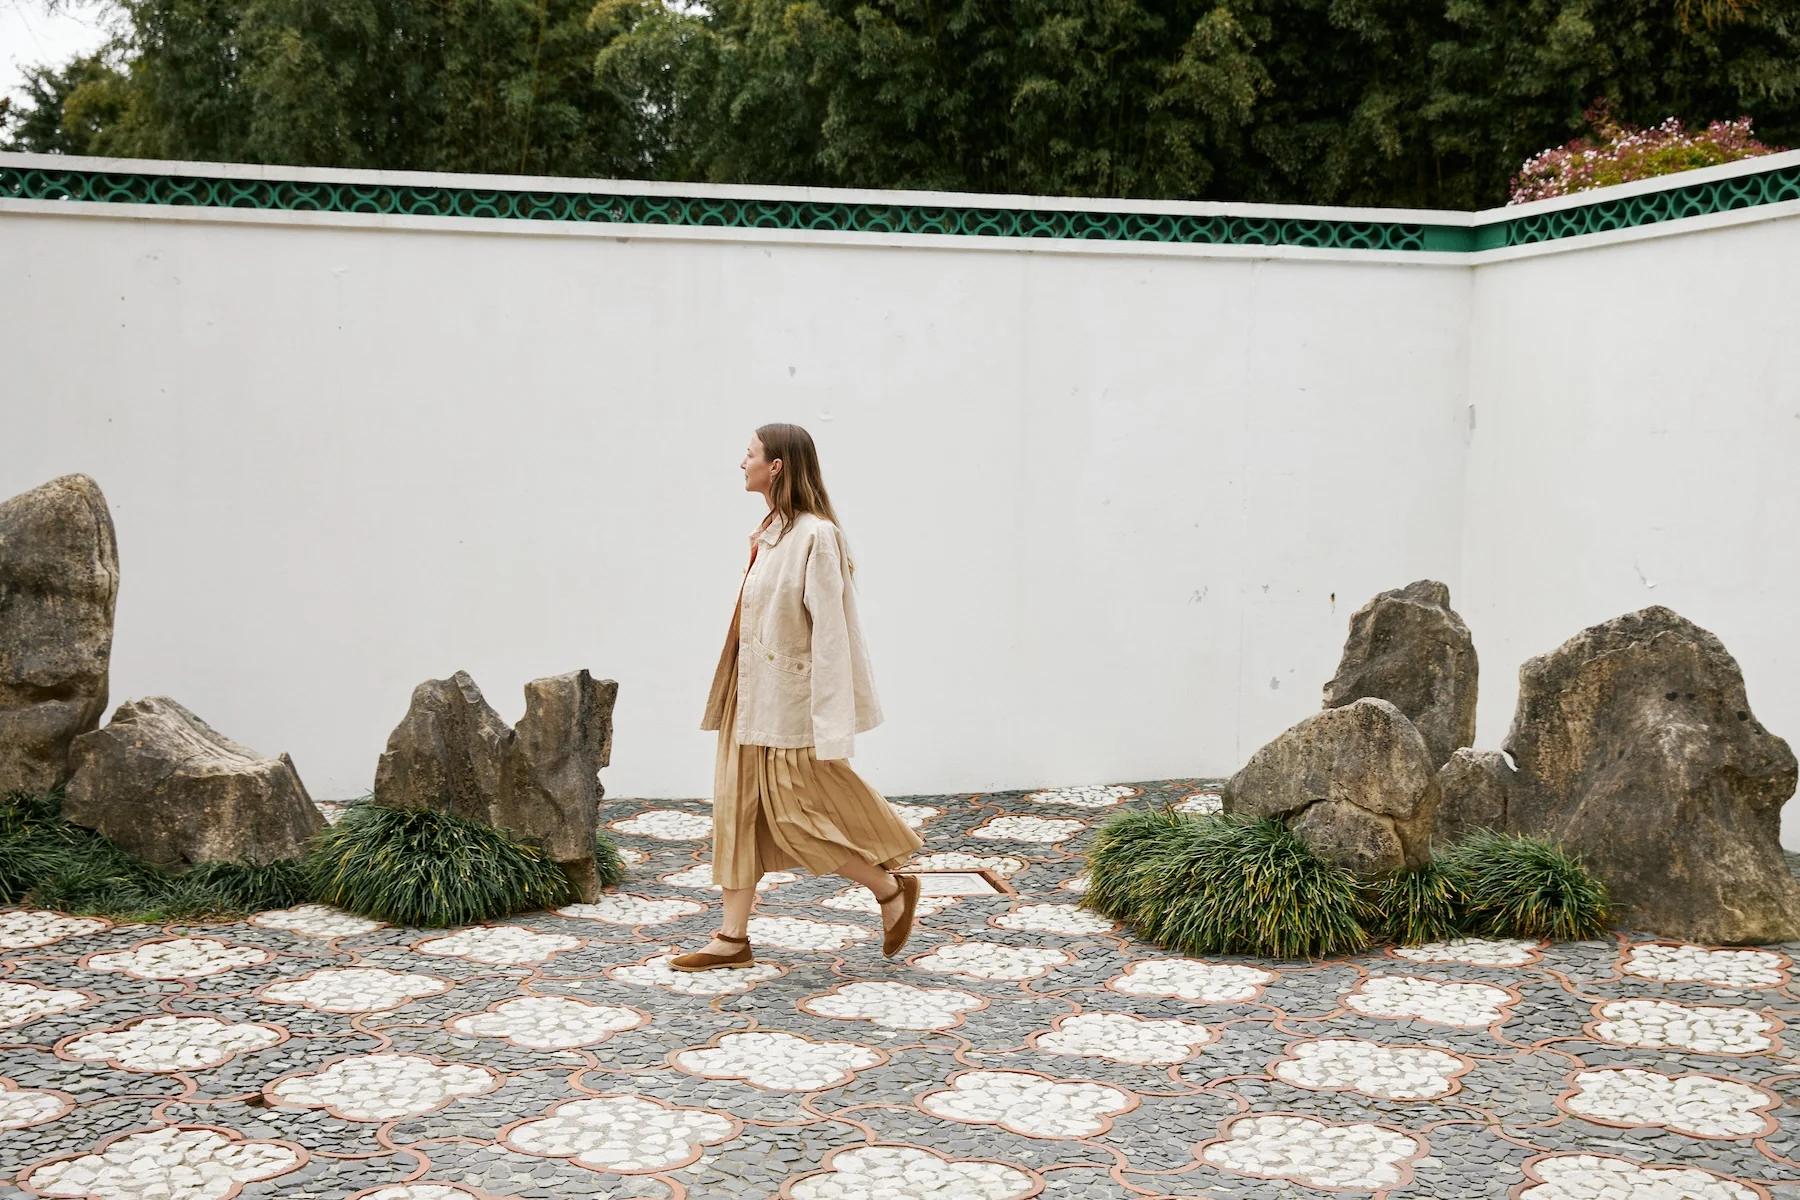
<point>607,861</point>
<point>1524,888</point>
<point>1222,885</point>
<point>418,867</point>
<point>49,863</point>
<point>1409,908</point>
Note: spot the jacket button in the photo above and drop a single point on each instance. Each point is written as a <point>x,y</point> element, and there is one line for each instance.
<point>771,658</point>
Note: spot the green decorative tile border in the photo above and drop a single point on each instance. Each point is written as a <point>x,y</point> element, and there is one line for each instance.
<point>129,187</point>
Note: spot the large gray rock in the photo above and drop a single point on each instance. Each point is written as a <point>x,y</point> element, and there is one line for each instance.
<point>1476,790</point>
<point>59,582</point>
<point>1642,756</point>
<point>171,789</point>
<point>1408,647</point>
<point>1355,783</point>
<point>452,753</point>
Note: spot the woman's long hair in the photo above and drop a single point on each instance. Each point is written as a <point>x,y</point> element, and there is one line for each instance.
<point>800,485</point>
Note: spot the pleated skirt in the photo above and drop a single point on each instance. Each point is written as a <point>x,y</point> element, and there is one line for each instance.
<point>776,807</point>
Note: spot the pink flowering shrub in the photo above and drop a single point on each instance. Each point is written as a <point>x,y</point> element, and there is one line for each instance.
<point>1619,153</point>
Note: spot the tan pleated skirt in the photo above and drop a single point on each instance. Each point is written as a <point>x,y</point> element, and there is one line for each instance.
<point>775,808</point>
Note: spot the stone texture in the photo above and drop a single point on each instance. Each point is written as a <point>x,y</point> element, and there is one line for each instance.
<point>176,792</point>
<point>1644,758</point>
<point>1355,783</point>
<point>539,782</point>
<point>59,582</point>
<point>1476,789</point>
<point>1408,647</point>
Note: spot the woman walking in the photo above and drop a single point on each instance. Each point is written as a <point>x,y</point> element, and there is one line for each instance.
<point>791,690</point>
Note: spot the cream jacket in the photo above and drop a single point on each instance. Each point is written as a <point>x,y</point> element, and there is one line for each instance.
<point>803,669</point>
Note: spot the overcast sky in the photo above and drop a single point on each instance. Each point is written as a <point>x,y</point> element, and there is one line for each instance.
<point>29,36</point>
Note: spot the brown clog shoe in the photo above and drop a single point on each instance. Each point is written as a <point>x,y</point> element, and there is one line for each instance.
<point>907,887</point>
<point>702,961</point>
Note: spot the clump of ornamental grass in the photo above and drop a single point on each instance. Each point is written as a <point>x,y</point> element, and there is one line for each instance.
<point>1222,885</point>
<point>607,862</point>
<point>432,869</point>
<point>1409,908</point>
<point>1523,887</point>
<point>49,863</point>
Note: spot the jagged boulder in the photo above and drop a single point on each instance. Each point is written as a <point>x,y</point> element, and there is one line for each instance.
<point>539,782</point>
<point>1475,789</point>
<point>1642,756</point>
<point>1355,783</point>
<point>59,583</point>
<point>169,788</point>
<point>1408,647</point>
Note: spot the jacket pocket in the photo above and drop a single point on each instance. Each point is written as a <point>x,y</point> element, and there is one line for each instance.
<point>780,661</point>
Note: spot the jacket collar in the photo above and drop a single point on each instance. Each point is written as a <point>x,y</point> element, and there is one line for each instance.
<point>768,536</point>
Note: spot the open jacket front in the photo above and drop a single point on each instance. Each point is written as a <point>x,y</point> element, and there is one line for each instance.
<point>803,669</point>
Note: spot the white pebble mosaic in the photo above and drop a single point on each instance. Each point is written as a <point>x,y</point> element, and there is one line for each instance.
<point>170,1043</point>
<point>1320,1154</point>
<point>779,1061</point>
<point>1708,1029</point>
<point>1029,1104</point>
<point>1119,1037</point>
<point>894,1005</point>
<point>1371,1069</point>
<point>381,1087</point>
<point>1406,997</point>
<point>623,1134</point>
<point>548,1022</point>
<point>1697,1105</point>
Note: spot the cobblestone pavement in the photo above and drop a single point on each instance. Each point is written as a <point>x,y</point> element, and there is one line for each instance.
<point>1022,1047</point>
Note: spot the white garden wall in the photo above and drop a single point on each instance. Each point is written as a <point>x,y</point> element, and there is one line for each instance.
<point>1113,508</point>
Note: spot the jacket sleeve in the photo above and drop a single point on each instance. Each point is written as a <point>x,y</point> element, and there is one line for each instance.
<point>833,693</point>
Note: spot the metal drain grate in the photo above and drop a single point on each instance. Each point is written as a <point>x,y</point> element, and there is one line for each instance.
<point>960,883</point>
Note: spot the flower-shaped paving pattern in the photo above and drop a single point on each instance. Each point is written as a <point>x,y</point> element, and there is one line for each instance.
<point>22,1003</point>
<point>911,1173</point>
<point>894,1005</point>
<point>779,1061</point>
<point>315,921</point>
<point>624,1134</point>
<point>1003,865</point>
<point>700,875</point>
<point>380,1087</point>
<point>1602,1177</point>
<point>1708,1029</point>
<point>499,945</point>
<point>623,908</point>
<point>178,958</point>
<point>21,1108</point>
<point>1201,804</point>
<point>548,1022</point>
<point>1697,1105</point>
<point>1029,1104</point>
<point>25,929</point>
<point>799,933</point>
<point>992,960</point>
<point>1191,979</point>
<point>170,1043</point>
<point>175,1163</point>
<point>1045,830</point>
<point>666,825</point>
<point>1371,1069</point>
<point>1022,1047</point>
<point>1065,919</point>
<point>354,989</point>
<point>1124,1038</point>
<point>1405,997</point>
<point>1094,796</point>
<point>1474,952</point>
<point>1729,969</point>
<point>657,973</point>
<point>1313,1153</point>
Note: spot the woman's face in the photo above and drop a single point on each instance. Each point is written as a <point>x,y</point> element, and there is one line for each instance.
<point>759,472</point>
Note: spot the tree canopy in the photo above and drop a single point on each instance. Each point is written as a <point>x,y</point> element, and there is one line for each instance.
<point>1368,102</point>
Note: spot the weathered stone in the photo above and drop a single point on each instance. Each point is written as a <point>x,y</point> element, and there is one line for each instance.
<point>59,582</point>
<point>1476,788</point>
<point>1643,757</point>
<point>452,753</point>
<point>1354,783</point>
<point>171,789</point>
<point>1408,647</point>
<point>554,790</point>
<point>448,753</point>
